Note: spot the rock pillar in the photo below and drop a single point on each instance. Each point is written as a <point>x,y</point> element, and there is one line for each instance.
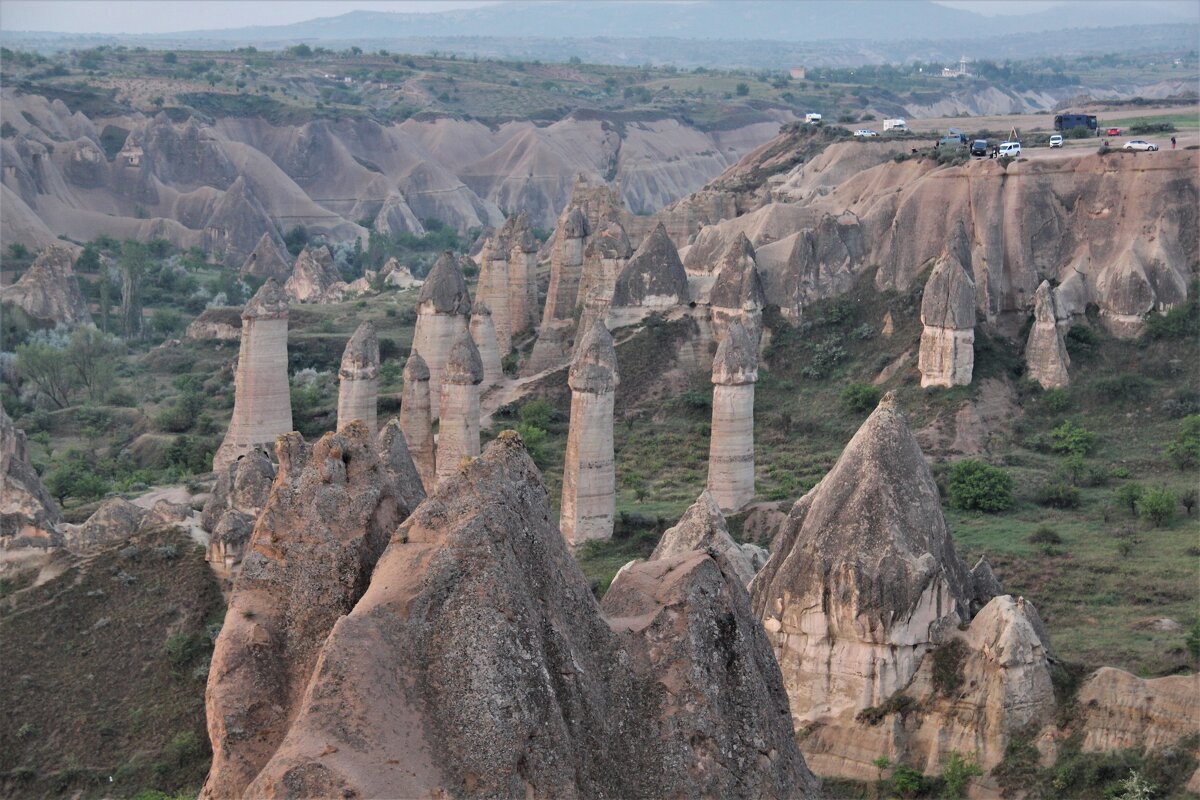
<point>442,309</point>
<point>358,390</point>
<point>458,431</point>
<point>493,288</point>
<point>589,481</point>
<point>731,442</point>
<point>262,406</point>
<point>737,293</point>
<point>1045,352</point>
<point>522,276</point>
<point>947,355</point>
<point>483,333</point>
<point>415,420</point>
<point>566,267</point>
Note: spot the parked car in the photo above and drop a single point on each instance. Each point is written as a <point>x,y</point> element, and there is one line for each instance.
<point>1056,140</point>
<point>1010,149</point>
<point>865,132</point>
<point>979,147</point>
<point>1114,131</point>
<point>1139,144</point>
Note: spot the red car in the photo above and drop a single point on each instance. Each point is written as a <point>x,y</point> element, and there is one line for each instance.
<point>1114,131</point>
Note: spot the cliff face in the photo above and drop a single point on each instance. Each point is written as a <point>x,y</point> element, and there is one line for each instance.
<point>28,514</point>
<point>670,691</point>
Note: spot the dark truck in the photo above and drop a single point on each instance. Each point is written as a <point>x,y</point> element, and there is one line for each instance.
<point>1064,122</point>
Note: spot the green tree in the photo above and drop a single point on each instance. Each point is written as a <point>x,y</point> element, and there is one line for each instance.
<point>859,398</point>
<point>1157,506</point>
<point>742,90</point>
<point>1185,450</point>
<point>1072,439</point>
<point>93,354</point>
<point>976,486</point>
<point>132,263</point>
<point>170,57</point>
<point>75,479</point>
<point>50,370</point>
<point>1128,496</point>
<point>956,773</point>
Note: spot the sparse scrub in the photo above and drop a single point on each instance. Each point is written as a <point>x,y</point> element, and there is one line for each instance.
<point>1157,507</point>
<point>1057,493</point>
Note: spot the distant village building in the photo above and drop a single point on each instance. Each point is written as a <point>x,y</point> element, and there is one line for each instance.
<point>954,72</point>
<point>797,73</point>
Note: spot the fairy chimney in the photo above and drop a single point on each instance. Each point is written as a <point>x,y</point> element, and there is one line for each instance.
<point>947,354</point>
<point>483,333</point>
<point>737,293</point>
<point>652,280</point>
<point>522,276</point>
<point>262,406</point>
<point>442,309</point>
<point>458,430</point>
<point>589,481</point>
<point>358,390</point>
<point>415,421</point>
<point>566,267</point>
<point>493,288</point>
<point>1046,356</point>
<point>268,259</point>
<point>731,442</point>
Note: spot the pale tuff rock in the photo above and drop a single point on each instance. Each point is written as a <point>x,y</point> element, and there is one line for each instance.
<point>566,269</point>
<point>358,387</point>
<point>493,287</point>
<point>458,431</point>
<point>330,513</point>
<point>737,292</point>
<point>483,333</point>
<point>522,276</point>
<point>731,442</point>
<point>683,693</point>
<point>607,252</point>
<point>49,291</point>
<point>313,276</point>
<point>396,217</point>
<point>29,517</point>
<point>268,259</point>
<point>116,520</point>
<point>397,275</point>
<point>238,496</point>
<point>589,480</point>
<point>652,280</point>
<point>442,310</point>
<point>984,585</point>
<point>1121,710</point>
<point>1046,358</point>
<point>947,354</point>
<point>262,407</point>
<point>396,459</point>
<point>889,326</point>
<point>415,420</point>
<point>220,324</point>
<point>863,578</point>
<point>702,528</point>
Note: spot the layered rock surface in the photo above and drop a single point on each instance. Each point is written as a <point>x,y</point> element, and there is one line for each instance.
<point>675,695</point>
<point>28,514</point>
<point>702,528</point>
<point>49,291</point>
<point>653,280</point>
<point>313,277</point>
<point>415,420</point>
<point>731,440</point>
<point>358,379</point>
<point>458,429</point>
<point>947,355</point>
<point>268,259</point>
<point>239,494</point>
<point>1046,358</point>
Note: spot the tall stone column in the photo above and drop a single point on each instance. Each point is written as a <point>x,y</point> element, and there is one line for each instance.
<point>442,309</point>
<point>483,333</point>
<point>566,267</point>
<point>262,406</point>
<point>1046,356</point>
<point>458,431</point>
<point>589,480</point>
<point>947,355</point>
<point>415,420</point>
<point>358,389</point>
<point>731,443</point>
<point>522,276</point>
<point>494,281</point>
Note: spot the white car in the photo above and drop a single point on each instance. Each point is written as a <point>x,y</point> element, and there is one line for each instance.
<point>1056,140</point>
<point>1010,149</point>
<point>865,132</point>
<point>1139,144</point>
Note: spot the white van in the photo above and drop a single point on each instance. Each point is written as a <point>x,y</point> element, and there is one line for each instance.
<point>1010,149</point>
<point>812,118</point>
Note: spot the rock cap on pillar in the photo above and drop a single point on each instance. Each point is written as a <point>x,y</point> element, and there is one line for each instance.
<point>736,362</point>
<point>949,297</point>
<point>610,242</point>
<point>594,368</point>
<point>654,275</point>
<point>445,288</point>
<point>269,302</point>
<point>360,360</point>
<point>415,368</point>
<point>738,284</point>
<point>464,365</point>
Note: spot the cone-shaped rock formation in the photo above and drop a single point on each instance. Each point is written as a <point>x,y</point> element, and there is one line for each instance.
<point>49,291</point>
<point>652,280</point>
<point>1046,358</point>
<point>737,292</point>
<point>313,276</point>
<point>442,311</point>
<point>268,259</point>
<point>947,354</point>
<point>703,528</point>
<point>483,333</point>
<point>28,514</point>
<point>358,387</point>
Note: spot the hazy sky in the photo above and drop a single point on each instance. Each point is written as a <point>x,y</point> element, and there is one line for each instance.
<point>163,16</point>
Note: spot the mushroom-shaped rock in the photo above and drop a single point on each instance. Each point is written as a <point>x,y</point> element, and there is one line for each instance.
<point>863,578</point>
<point>445,289</point>
<point>49,291</point>
<point>731,441</point>
<point>358,389</point>
<point>458,431</point>
<point>654,277</point>
<point>415,421</point>
<point>442,310</point>
<point>1046,356</point>
<point>702,527</point>
<point>589,481</point>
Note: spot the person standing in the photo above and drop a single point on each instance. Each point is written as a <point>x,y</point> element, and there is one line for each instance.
<point>1172,142</point>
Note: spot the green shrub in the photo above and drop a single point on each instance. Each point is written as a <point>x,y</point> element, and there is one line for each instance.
<point>957,772</point>
<point>1057,493</point>
<point>1071,439</point>
<point>1193,641</point>
<point>1181,322</point>
<point>896,704</point>
<point>1056,401</point>
<point>1185,450</point>
<point>1128,496</point>
<point>537,413</point>
<point>1045,535</point>
<point>1157,507</point>
<point>907,782</point>
<point>183,647</point>
<point>860,398</point>
<point>976,486</point>
<point>75,479</point>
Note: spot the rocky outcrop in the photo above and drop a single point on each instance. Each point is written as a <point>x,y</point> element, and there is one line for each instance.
<point>49,291</point>
<point>239,494</point>
<point>678,683</point>
<point>458,429</point>
<point>483,333</point>
<point>358,379</point>
<point>442,310</point>
<point>947,354</point>
<point>1121,710</point>
<point>589,478</point>
<point>737,292</point>
<point>222,324</point>
<point>115,521</point>
<point>262,406</point>
<point>566,269</point>
<point>702,528</point>
<point>396,217</point>
<point>652,280</point>
<point>415,420</point>
<point>329,516</point>
<point>314,277</point>
<point>268,259</point>
<point>29,517</point>
<point>522,276</point>
<point>1046,358</point>
<point>731,441</point>
<point>396,274</point>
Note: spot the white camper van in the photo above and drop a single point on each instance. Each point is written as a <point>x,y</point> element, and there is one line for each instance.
<point>812,118</point>
<point>898,125</point>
